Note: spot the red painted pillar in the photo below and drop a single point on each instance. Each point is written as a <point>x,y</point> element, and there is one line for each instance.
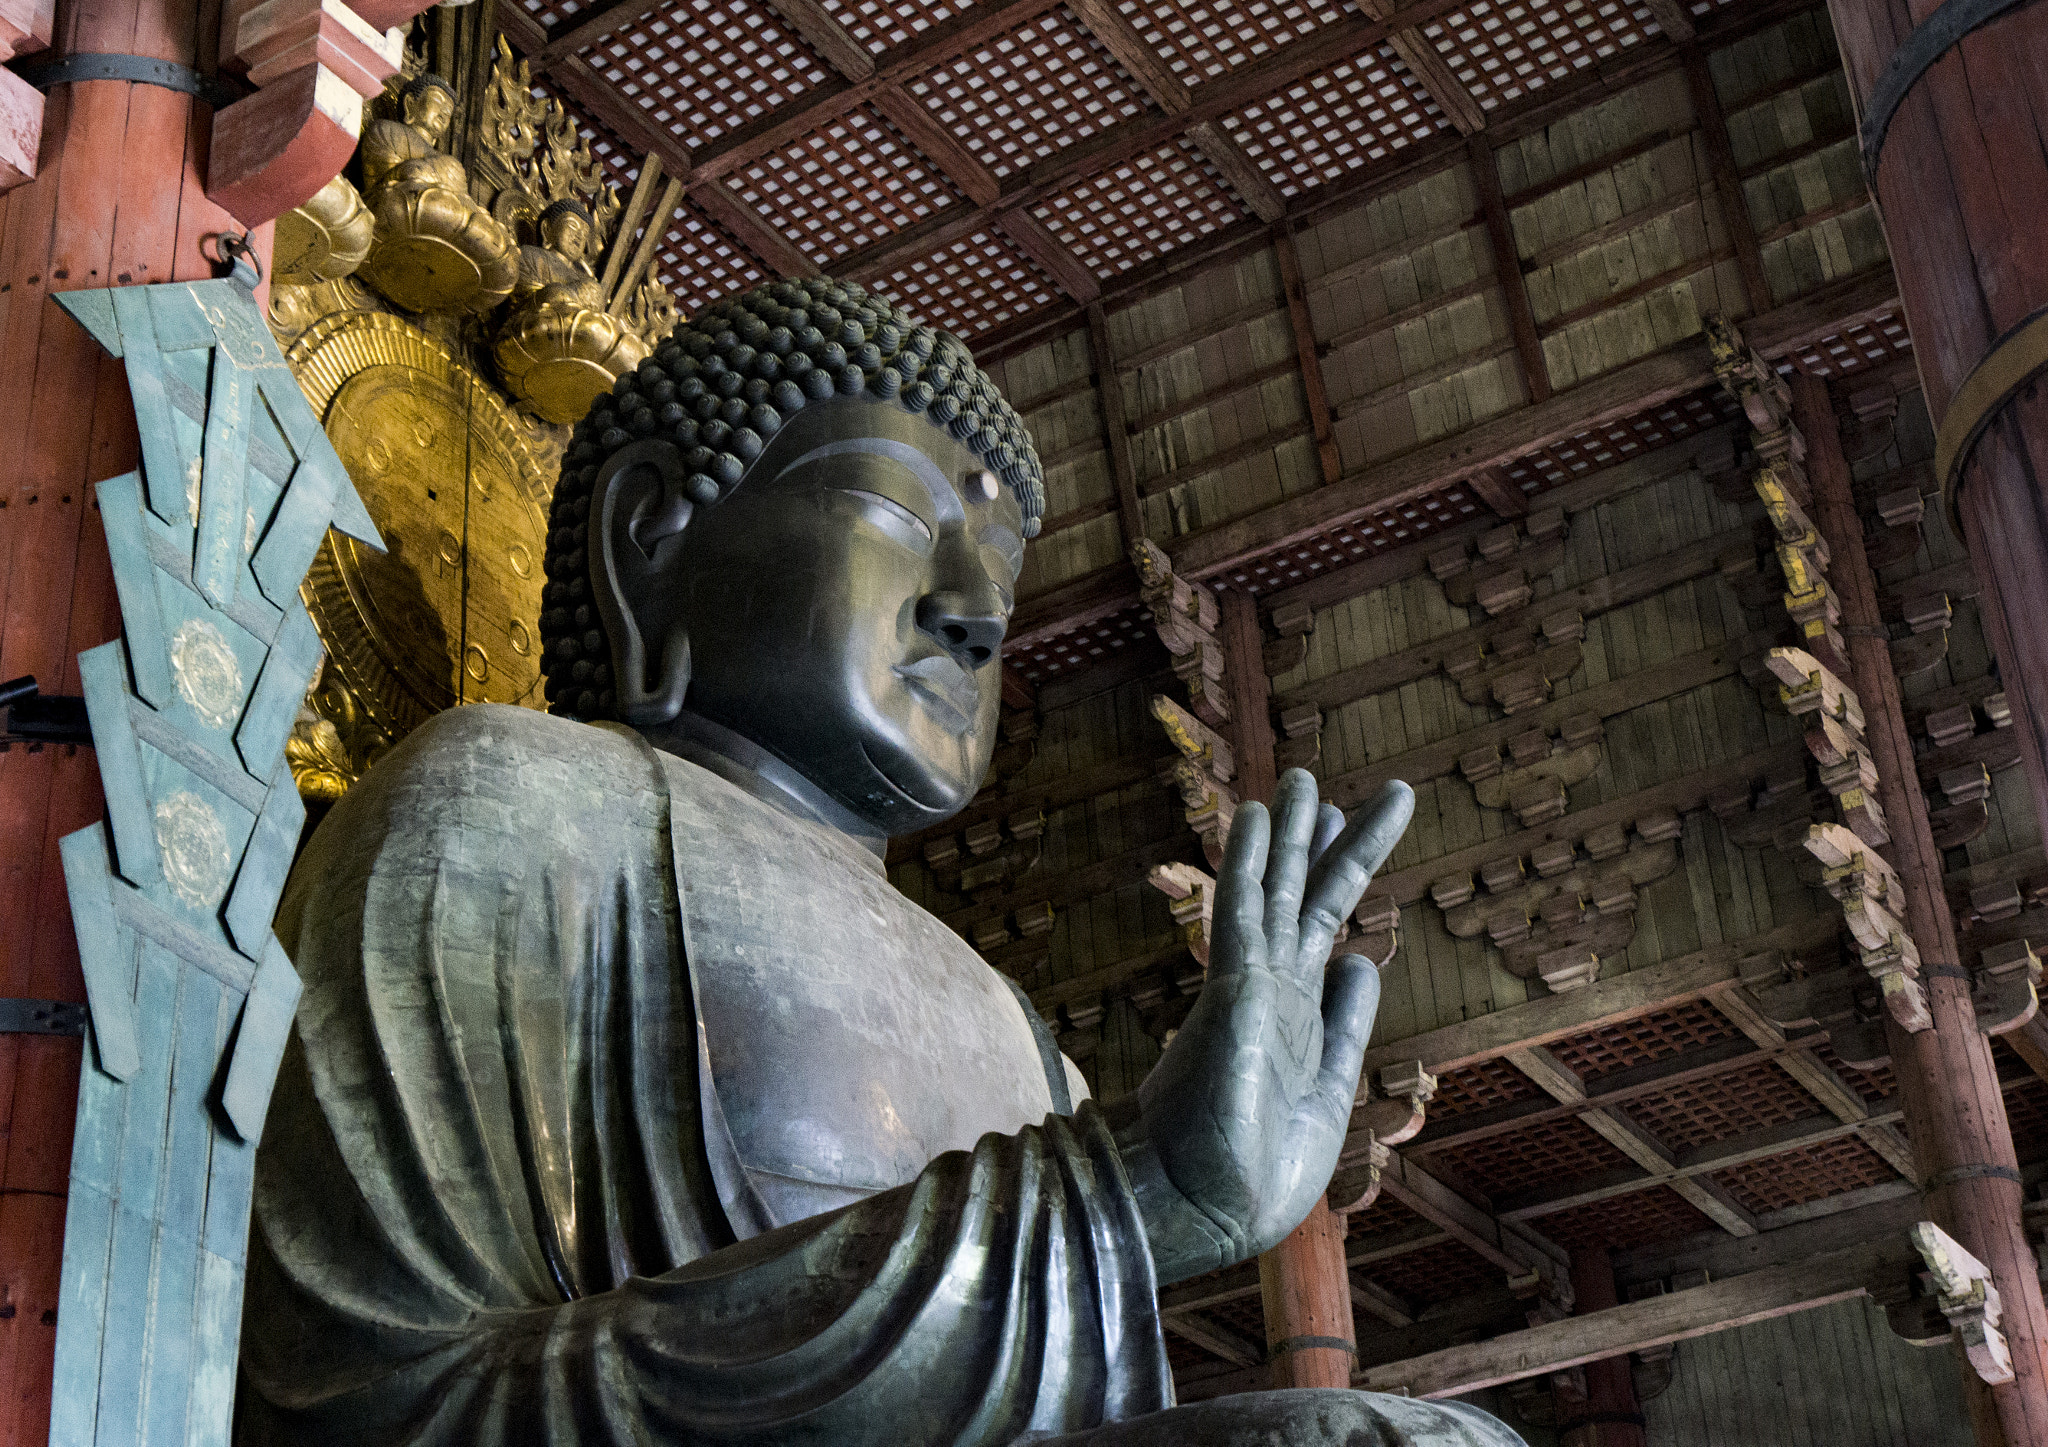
<point>1962,183</point>
<point>119,200</point>
<point>1948,1081</point>
<point>1303,1283</point>
<point>1609,1415</point>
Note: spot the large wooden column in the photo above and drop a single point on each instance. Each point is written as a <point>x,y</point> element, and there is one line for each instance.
<point>1609,1415</point>
<point>1303,1284</point>
<point>119,200</point>
<point>1962,181</point>
<point>1954,1111</point>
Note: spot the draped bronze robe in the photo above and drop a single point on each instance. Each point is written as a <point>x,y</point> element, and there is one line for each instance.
<point>592,1133</point>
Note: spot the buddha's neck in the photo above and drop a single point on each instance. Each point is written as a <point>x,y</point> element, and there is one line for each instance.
<point>753,770</point>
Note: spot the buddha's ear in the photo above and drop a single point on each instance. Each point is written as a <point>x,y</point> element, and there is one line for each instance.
<point>638,513</point>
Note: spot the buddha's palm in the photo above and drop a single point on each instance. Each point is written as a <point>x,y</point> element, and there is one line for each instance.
<point>1235,1132</point>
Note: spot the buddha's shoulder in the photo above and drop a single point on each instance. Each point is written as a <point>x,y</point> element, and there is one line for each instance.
<point>496,768</point>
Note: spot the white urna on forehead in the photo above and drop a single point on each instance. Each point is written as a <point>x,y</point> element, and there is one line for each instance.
<point>725,382</point>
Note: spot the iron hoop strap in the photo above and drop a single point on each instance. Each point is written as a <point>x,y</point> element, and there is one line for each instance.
<point>138,69</point>
<point>1929,41</point>
<point>2014,360</point>
<point>1974,1172</point>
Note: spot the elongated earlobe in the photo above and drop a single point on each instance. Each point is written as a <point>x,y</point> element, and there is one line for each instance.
<point>639,511</point>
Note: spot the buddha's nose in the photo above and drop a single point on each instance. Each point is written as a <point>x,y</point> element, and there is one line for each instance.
<point>968,625</point>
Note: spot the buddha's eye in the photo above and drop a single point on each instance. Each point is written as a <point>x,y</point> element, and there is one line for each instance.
<point>895,518</point>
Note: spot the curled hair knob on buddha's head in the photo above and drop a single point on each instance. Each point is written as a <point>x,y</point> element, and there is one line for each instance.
<point>718,388</point>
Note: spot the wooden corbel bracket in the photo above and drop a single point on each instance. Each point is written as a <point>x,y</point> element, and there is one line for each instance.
<point>1969,1299</point>
<point>25,27</point>
<point>314,63</point>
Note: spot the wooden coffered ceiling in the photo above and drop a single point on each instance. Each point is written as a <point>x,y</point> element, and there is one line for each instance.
<point>999,164</point>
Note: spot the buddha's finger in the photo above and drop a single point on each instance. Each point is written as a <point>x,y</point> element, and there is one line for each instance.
<point>1240,900</point>
<point>1329,824</point>
<point>1294,829</point>
<point>1341,875</point>
<point>1351,1002</point>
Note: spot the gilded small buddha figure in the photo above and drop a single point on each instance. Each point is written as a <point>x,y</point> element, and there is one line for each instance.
<point>629,1103</point>
<point>436,248</point>
<point>558,348</point>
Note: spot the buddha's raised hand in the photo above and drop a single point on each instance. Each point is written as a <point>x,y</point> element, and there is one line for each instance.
<point>1236,1130</point>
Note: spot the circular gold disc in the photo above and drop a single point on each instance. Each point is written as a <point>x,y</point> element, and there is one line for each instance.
<point>450,612</point>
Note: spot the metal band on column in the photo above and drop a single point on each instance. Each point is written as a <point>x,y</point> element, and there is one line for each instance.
<point>2013,361</point>
<point>1929,41</point>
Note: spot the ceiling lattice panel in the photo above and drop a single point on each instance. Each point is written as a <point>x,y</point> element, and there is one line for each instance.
<point>703,68</point>
<point>1132,212</point>
<point>1201,41</point>
<point>554,12</point>
<point>1546,1153</point>
<point>1083,646</point>
<point>1384,1217</point>
<point>1616,442</point>
<point>1865,344</point>
<point>1654,1036</point>
<point>973,285</point>
<point>845,185</point>
<point>1796,1177</point>
<point>1358,111</point>
<point>1504,51</point>
<point>1353,542</point>
<point>1620,1222</point>
<point>1724,1106</point>
<point>701,262</point>
<point>1475,1087</point>
<point>1030,92</point>
<point>885,24</point>
<point>1875,1086</point>
<point>1443,1272</point>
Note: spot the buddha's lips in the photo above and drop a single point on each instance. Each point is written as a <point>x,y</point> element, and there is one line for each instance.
<point>945,686</point>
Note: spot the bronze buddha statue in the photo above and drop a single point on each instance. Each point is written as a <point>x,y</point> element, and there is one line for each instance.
<point>629,1103</point>
<point>558,348</point>
<point>436,248</point>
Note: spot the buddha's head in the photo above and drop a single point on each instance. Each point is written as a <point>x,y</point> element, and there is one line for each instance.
<point>564,228</point>
<point>801,519</point>
<point>429,106</point>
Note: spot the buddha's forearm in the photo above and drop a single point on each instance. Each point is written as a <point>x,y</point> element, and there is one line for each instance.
<point>1185,1241</point>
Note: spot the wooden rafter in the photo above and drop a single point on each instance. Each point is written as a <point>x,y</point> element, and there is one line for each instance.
<point>1677,1316</point>
<point>1303,327</point>
<point>1706,104</point>
<point>1426,63</point>
<point>1619,1129</point>
<point>1507,268</point>
<point>1618,394</point>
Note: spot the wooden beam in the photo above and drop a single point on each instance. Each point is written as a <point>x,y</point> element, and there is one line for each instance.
<point>1704,1160</point>
<point>595,94</point>
<point>1375,1300</point>
<point>1820,1081</point>
<point>1623,393</point>
<point>1604,1003</point>
<point>1589,600</point>
<point>1501,496</point>
<point>939,145</point>
<point>1676,1316</point>
<point>1512,1247</point>
<point>1239,169</point>
<point>1507,267</point>
<point>1706,106</point>
<point>1105,19</point>
<point>1673,18</point>
<point>1217,1340</point>
<point>833,42</point>
<point>1621,1130</point>
<point>1066,269</point>
<point>1306,355</point>
<point>1650,685</point>
<point>1110,395</point>
<point>1428,67</point>
<point>583,30</point>
<point>752,230</point>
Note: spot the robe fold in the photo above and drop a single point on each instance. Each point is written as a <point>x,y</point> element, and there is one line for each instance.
<point>624,1108</point>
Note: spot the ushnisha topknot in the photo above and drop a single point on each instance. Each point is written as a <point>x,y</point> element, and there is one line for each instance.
<point>719,387</point>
